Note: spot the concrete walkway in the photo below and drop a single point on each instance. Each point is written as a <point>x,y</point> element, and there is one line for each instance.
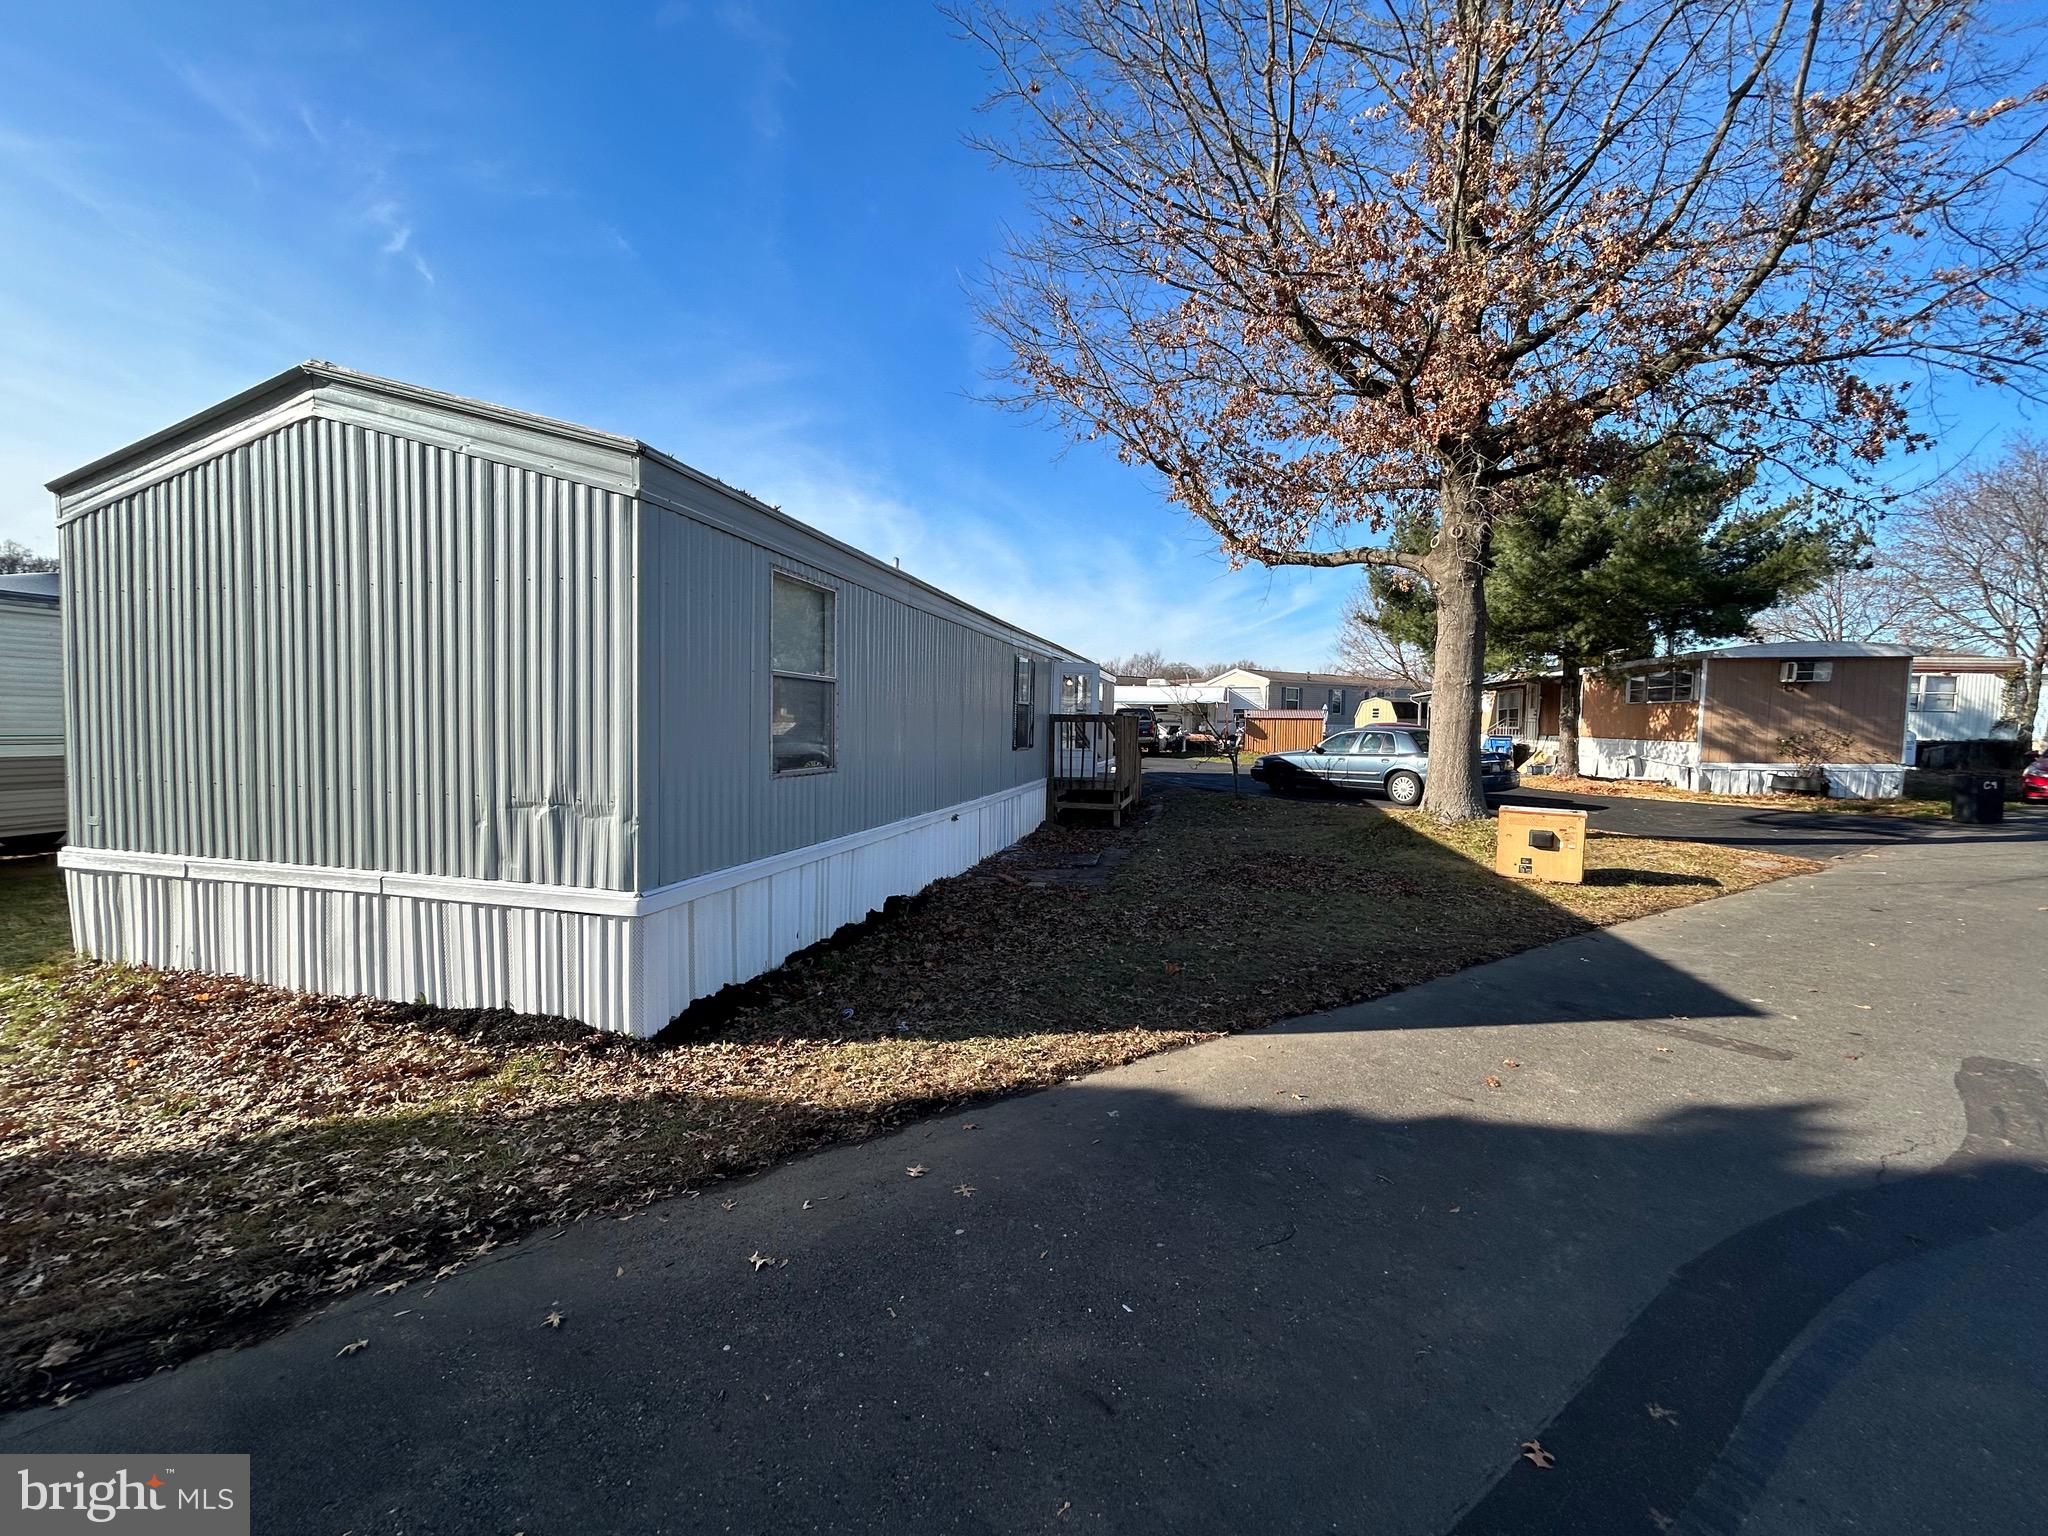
<point>1749,1236</point>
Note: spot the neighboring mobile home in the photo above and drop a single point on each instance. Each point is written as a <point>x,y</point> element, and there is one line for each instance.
<point>1959,698</point>
<point>373,689</point>
<point>1335,696</point>
<point>1719,720</point>
<point>31,710</point>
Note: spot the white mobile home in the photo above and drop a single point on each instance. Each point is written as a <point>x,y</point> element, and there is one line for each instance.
<point>373,689</point>
<point>1959,698</point>
<point>31,710</point>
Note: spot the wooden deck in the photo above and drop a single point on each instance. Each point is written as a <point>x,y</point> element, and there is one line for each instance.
<point>1095,765</point>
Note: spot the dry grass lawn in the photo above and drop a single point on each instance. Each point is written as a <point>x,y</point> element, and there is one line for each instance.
<point>186,1159</point>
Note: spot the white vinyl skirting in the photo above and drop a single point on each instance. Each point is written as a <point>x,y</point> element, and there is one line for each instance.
<point>1846,781</point>
<point>617,960</point>
<point>1677,763</point>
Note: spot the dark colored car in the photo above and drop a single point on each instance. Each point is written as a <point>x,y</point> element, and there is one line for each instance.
<point>2034,780</point>
<point>1148,728</point>
<point>1394,762</point>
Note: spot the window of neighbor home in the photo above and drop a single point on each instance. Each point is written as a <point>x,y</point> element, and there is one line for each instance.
<point>1659,687</point>
<point>803,709</point>
<point>1932,691</point>
<point>1507,711</point>
<point>1022,716</point>
<point>1290,698</point>
<point>1336,701</point>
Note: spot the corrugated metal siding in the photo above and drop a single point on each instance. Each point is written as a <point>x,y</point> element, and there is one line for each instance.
<point>31,796</point>
<point>1749,712</point>
<point>1980,705</point>
<point>924,708</point>
<point>335,646</point>
<point>31,679</point>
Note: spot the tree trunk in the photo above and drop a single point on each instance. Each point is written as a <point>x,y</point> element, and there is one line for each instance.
<point>1456,569</point>
<point>2030,697</point>
<point>1568,693</point>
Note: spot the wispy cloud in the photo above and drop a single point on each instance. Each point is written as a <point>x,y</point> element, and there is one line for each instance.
<point>212,93</point>
<point>389,217</point>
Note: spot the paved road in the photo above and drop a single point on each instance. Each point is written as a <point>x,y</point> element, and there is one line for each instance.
<point>1752,1239</point>
<point>1806,834</point>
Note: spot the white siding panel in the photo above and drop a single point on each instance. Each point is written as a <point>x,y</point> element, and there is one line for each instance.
<point>1615,757</point>
<point>628,967</point>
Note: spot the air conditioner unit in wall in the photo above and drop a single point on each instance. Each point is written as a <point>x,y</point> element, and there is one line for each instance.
<point>1806,671</point>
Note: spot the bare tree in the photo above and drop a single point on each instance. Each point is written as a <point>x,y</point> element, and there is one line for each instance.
<point>17,558</point>
<point>1326,267</point>
<point>1367,649</point>
<point>1974,557</point>
<point>1856,605</point>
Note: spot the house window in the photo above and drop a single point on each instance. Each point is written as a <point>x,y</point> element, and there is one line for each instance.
<point>1290,698</point>
<point>1932,691</point>
<point>1336,701</point>
<point>803,708</point>
<point>1507,710</point>
<point>1806,672</point>
<point>1659,687</point>
<point>1023,716</point>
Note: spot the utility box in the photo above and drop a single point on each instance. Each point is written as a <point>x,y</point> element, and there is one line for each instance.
<point>1535,844</point>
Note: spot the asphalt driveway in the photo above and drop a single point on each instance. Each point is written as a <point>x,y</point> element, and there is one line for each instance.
<point>1737,1210</point>
<point>1806,834</point>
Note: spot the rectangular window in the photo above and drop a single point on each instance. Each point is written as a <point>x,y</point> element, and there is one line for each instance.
<point>1290,698</point>
<point>1934,692</point>
<point>1659,687</point>
<point>1336,701</point>
<point>803,658</point>
<point>1507,710</point>
<point>1023,714</point>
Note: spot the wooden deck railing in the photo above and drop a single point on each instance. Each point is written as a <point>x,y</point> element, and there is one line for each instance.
<point>1095,764</point>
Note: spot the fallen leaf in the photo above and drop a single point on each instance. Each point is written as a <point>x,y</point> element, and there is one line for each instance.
<point>1509,1061</point>
<point>1662,1414</point>
<point>1533,1452</point>
<point>552,1320</point>
<point>917,1170</point>
<point>620,1273</point>
<point>759,1260</point>
<point>963,1189</point>
<point>350,1348</point>
<point>1492,1081</point>
<point>726,1205</point>
<point>58,1354</point>
<point>392,1289</point>
<point>1659,1519</point>
<point>1173,967</point>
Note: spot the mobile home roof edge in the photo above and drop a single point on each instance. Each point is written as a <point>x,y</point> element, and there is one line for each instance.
<point>315,371</point>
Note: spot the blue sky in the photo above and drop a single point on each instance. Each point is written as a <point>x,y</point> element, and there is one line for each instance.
<point>741,232</point>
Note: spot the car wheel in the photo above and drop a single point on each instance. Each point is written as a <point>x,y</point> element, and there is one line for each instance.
<point>1404,789</point>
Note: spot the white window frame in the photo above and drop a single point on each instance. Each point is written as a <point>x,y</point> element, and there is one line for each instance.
<point>831,679</point>
<point>1679,686</point>
<point>1917,692</point>
<point>1336,706</point>
<point>1290,697</point>
<point>1506,716</point>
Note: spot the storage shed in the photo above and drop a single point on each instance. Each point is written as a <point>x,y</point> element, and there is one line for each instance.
<point>373,689</point>
<point>31,710</point>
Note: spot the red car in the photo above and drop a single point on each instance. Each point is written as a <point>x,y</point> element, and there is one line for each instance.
<point>2034,780</point>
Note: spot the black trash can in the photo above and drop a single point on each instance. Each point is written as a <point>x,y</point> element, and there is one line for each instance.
<point>1977,798</point>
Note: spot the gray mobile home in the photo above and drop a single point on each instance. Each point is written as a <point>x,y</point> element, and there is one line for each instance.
<point>372,689</point>
<point>31,710</point>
